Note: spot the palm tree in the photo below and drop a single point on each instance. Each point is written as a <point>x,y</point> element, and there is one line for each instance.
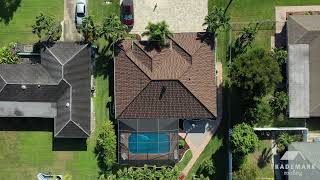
<point>216,21</point>
<point>158,32</point>
<point>88,30</point>
<point>113,30</point>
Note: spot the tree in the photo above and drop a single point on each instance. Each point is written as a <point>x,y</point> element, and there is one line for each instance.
<point>88,30</point>
<point>260,113</point>
<point>216,21</point>
<point>282,141</point>
<point>256,73</point>
<point>245,39</point>
<point>245,173</point>
<point>207,168</point>
<point>7,55</point>
<point>280,102</point>
<point>145,172</point>
<point>46,25</point>
<point>158,33</point>
<point>243,142</point>
<point>113,30</point>
<point>280,55</point>
<point>106,146</point>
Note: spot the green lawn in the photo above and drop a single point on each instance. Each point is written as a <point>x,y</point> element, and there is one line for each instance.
<point>99,9</point>
<point>216,150</point>
<point>19,28</point>
<point>186,158</point>
<point>265,171</point>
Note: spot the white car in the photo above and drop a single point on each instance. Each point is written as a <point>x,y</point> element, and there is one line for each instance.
<point>81,11</point>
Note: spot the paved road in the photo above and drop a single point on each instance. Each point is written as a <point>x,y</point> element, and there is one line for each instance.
<point>69,28</point>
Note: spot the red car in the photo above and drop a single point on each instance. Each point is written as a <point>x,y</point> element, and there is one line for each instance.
<point>127,14</point>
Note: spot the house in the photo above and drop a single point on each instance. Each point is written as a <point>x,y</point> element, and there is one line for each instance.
<point>58,87</point>
<point>303,32</point>
<point>304,161</point>
<point>157,88</point>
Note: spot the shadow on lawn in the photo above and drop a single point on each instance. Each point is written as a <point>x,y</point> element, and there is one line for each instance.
<point>69,144</point>
<point>7,9</point>
<point>26,124</point>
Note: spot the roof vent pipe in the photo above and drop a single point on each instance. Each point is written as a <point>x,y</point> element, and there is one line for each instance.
<point>23,87</point>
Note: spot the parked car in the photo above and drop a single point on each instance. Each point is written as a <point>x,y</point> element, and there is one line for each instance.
<point>127,15</point>
<point>81,11</point>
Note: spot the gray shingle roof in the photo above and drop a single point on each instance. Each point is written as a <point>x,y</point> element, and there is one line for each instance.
<point>64,79</point>
<point>25,74</point>
<point>304,31</point>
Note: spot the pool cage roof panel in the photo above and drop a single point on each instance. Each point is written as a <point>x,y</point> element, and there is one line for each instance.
<point>135,148</point>
<point>147,125</point>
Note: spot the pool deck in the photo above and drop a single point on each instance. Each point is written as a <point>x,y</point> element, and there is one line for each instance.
<point>125,154</point>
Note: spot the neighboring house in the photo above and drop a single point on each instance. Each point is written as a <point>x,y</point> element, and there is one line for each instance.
<point>57,88</point>
<point>304,162</point>
<point>155,89</point>
<point>303,34</point>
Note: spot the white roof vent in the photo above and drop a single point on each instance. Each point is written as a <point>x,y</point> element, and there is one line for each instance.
<point>24,87</point>
<point>67,105</point>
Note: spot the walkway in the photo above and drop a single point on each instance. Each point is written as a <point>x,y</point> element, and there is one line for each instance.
<point>69,31</point>
<point>198,141</point>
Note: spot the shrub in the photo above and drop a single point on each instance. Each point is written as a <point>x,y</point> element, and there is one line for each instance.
<point>7,55</point>
<point>207,168</point>
<point>106,146</point>
<point>181,143</point>
<point>243,142</point>
<point>245,173</point>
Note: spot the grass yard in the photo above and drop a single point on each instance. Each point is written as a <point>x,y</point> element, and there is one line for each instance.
<point>99,9</point>
<point>264,171</point>
<point>216,150</point>
<point>18,29</point>
<point>186,158</point>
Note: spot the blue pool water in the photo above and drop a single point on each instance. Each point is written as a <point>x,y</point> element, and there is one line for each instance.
<point>152,143</point>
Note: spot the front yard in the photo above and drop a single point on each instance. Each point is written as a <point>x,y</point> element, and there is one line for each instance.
<point>19,28</point>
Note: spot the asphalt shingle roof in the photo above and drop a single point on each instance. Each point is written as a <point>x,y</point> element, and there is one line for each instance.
<point>63,77</point>
<point>183,74</point>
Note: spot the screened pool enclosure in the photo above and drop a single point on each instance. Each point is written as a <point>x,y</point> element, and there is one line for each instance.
<point>142,140</point>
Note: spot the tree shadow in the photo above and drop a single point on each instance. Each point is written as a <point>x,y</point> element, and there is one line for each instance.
<point>69,144</point>
<point>265,157</point>
<point>7,9</point>
<point>207,38</point>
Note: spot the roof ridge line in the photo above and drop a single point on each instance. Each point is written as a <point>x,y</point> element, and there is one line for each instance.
<point>58,59</point>
<point>77,52</point>
<point>62,127</point>
<point>134,98</point>
<point>80,127</point>
<point>303,34</point>
<point>136,64</point>
<point>183,85</point>
<point>134,42</point>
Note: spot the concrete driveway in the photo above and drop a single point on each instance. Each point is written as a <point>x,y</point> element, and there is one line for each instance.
<point>69,31</point>
<point>181,15</point>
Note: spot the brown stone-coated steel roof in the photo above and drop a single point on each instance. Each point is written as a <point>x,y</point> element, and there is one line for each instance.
<point>177,81</point>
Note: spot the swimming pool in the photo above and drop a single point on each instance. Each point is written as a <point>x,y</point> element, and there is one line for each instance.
<point>151,143</point>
